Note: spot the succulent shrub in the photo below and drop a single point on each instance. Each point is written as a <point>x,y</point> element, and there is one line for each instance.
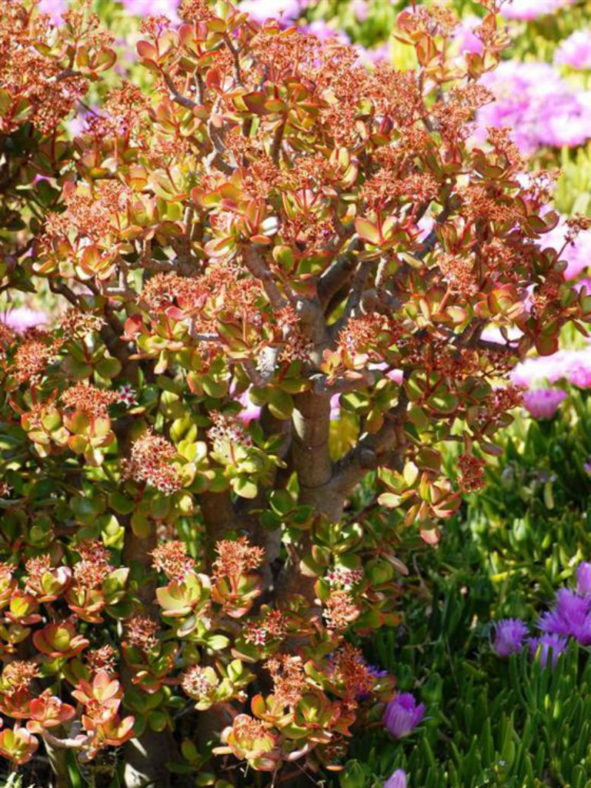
<point>267,222</point>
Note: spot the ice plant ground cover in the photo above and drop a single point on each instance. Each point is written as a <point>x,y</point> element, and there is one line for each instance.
<point>271,265</point>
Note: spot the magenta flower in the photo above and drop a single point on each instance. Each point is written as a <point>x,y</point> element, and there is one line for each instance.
<point>397,780</point>
<point>547,644</point>
<point>575,51</point>
<point>584,578</point>
<point>402,715</point>
<point>543,403</point>
<point>509,636</point>
<point>568,616</point>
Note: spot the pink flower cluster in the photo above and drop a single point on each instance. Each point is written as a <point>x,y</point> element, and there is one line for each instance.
<point>575,51</point>
<point>573,366</point>
<point>523,93</point>
<point>543,403</point>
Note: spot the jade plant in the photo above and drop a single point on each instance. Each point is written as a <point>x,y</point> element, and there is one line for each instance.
<point>264,223</point>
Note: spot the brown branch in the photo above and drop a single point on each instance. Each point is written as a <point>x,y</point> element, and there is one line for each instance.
<point>354,300</point>
<point>235,58</point>
<point>321,384</point>
<point>277,140</point>
<point>259,268</point>
<point>184,101</point>
<point>366,455</point>
<point>338,273</point>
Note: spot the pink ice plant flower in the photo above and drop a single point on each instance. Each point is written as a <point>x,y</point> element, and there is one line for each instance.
<point>526,10</point>
<point>576,254</point>
<point>543,403</point>
<point>510,634</point>
<point>575,51</point>
<point>54,9</point>
<point>403,714</point>
<point>21,318</point>
<point>323,31</point>
<point>522,93</point>
<point>166,8</point>
<point>360,9</point>
<point>283,10</point>
<point>396,780</point>
<point>571,365</point>
<point>249,411</point>
<point>464,36</point>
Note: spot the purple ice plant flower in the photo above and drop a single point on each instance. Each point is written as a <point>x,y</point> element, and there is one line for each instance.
<point>568,616</point>
<point>543,403</point>
<point>510,634</point>
<point>547,643</point>
<point>396,780</point>
<point>584,578</point>
<point>402,715</point>
<point>575,51</point>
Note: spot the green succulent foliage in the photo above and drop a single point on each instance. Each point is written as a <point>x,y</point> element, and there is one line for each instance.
<point>491,722</point>
<point>531,524</point>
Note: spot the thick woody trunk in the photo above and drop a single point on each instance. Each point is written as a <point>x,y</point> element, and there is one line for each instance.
<point>147,755</point>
